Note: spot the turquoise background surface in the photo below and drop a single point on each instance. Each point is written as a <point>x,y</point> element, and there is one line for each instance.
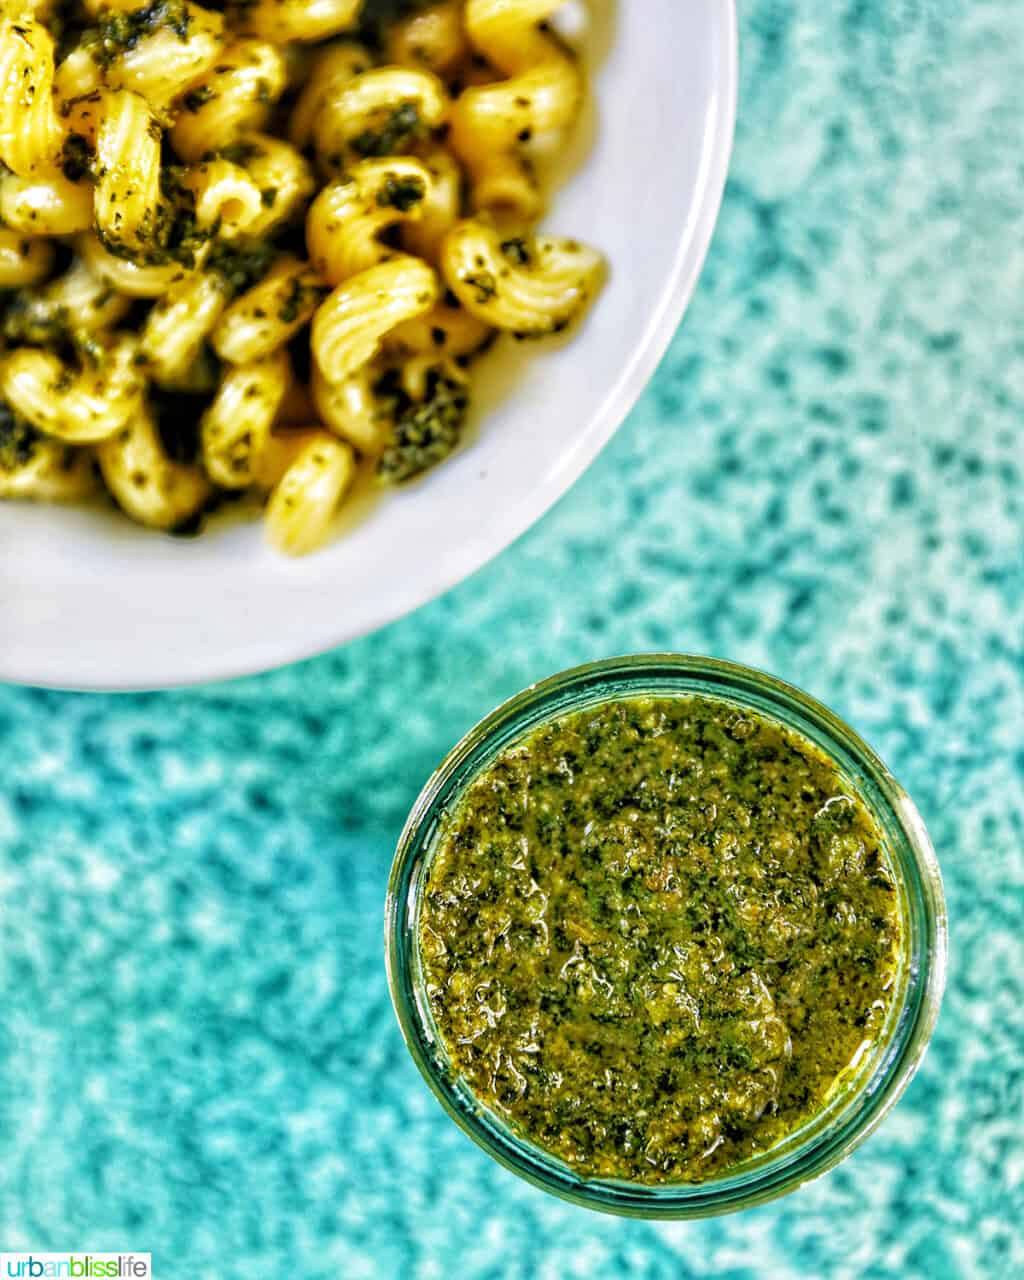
<point>197,1053</point>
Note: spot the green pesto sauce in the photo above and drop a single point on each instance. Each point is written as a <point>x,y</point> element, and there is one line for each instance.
<point>655,934</point>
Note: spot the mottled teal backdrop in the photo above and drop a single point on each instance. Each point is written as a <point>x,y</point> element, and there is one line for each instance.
<point>197,1054</point>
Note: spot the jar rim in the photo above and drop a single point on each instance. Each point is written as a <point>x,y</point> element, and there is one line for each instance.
<point>826,1138</point>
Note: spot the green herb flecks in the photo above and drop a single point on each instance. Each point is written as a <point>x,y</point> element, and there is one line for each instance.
<point>401,128</point>
<point>399,193</point>
<point>422,433</point>
<point>241,264</point>
<point>18,439</point>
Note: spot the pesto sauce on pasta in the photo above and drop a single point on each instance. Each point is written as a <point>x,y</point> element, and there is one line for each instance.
<point>655,935</point>
<point>267,207</point>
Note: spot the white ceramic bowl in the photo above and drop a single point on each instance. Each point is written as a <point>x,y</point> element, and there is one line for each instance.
<point>89,601</point>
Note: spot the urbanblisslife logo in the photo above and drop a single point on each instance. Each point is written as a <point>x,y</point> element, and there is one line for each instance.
<point>76,1266</point>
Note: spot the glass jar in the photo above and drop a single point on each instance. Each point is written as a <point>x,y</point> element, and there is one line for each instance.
<point>871,1090</point>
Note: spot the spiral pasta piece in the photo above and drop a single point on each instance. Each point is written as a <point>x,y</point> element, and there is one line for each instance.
<point>145,482</point>
<point>530,287</point>
<point>349,327</point>
<point>268,315</point>
<point>23,261</point>
<point>304,20</point>
<point>347,218</point>
<point>127,196</point>
<point>304,502</point>
<point>332,68</point>
<point>235,97</point>
<point>434,38</point>
<point>85,298</point>
<point>133,279</point>
<point>76,407</point>
<point>174,46</point>
<point>178,325</point>
<point>440,208</point>
<point>381,112</point>
<point>30,133</point>
<point>446,332</point>
<point>74,309</point>
<point>350,409</point>
<point>541,95</point>
<point>37,469</point>
<point>228,201</point>
<point>280,174</point>
<point>235,428</point>
<point>45,205</point>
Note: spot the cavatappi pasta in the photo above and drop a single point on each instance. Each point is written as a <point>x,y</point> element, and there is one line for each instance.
<point>254,245</point>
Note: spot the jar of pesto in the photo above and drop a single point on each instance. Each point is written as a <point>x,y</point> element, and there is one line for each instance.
<point>665,937</point>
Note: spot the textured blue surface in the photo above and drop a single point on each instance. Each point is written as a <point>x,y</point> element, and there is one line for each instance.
<point>197,1054</point>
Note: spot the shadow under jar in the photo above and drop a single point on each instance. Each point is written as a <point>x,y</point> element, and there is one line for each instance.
<point>665,937</point>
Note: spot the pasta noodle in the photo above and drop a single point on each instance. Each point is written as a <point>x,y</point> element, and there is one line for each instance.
<point>179,324</point>
<point>236,426</point>
<point>268,315</point>
<point>23,261</point>
<point>440,208</point>
<point>491,122</point>
<point>145,482</point>
<point>529,287</point>
<point>87,301</point>
<point>227,200</point>
<point>381,112</point>
<point>248,244</point>
<point>306,20</point>
<point>280,174</point>
<point>134,279</point>
<point>78,407</point>
<point>46,205</point>
<point>72,311</point>
<point>128,171</point>
<point>30,133</point>
<point>36,469</point>
<point>351,324</point>
<point>235,97</point>
<point>347,217</point>
<point>283,447</point>
<point>332,68</point>
<point>445,331</point>
<point>158,51</point>
<point>350,409</point>
<point>434,38</point>
<point>77,82</point>
<point>308,494</point>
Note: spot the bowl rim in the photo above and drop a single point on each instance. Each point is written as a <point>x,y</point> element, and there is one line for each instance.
<point>826,1138</point>
<point>77,671</point>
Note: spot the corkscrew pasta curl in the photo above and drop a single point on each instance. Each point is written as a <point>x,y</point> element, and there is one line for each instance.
<point>349,327</point>
<point>23,261</point>
<point>305,499</point>
<point>386,111</point>
<point>346,220</point>
<point>30,133</point>
<point>34,468</point>
<point>541,95</point>
<point>147,484</point>
<point>235,97</point>
<point>75,406</point>
<point>529,287</point>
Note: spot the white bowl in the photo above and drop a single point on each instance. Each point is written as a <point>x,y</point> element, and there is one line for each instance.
<point>89,601</point>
